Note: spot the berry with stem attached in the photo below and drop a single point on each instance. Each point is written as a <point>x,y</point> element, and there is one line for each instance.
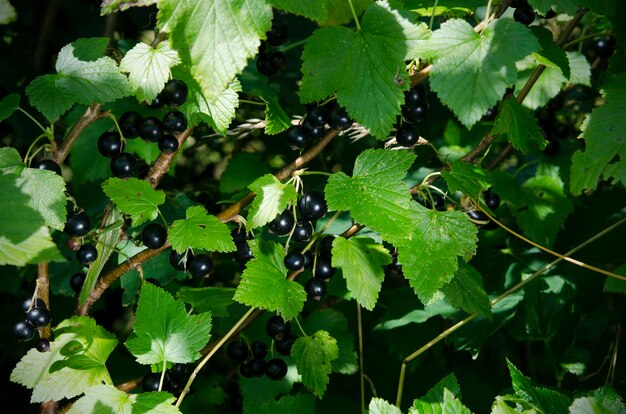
<point>47,164</point>
<point>23,331</point>
<point>258,349</point>
<point>323,268</point>
<point>303,231</point>
<point>416,95</point>
<point>294,261</point>
<point>283,345</point>
<point>178,260</point>
<point>129,124</point>
<point>297,137</point>
<point>110,144</point>
<point>38,317</point>
<point>415,113</point>
<point>243,254</point>
<point>276,369</point>
<point>277,328</point>
<point>317,116</point>
<point>492,200</point>
<point>278,34</point>
<point>200,265</point>
<point>339,119</point>
<point>315,288</point>
<point>154,235</point>
<point>77,224</point>
<point>87,254</point>
<point>315,133</point>
<point>76,281</point>
<point>151,382</point>
<point>42,345</point>
<point>123,165</point>
<point>282,224</point>
<point>28,304</point>
<point>237,350</point>
<point>312,205</point>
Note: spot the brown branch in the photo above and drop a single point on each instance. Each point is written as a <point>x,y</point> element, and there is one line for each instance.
<point>43,292</point>
<point>163,162</point>
<point>92,113</point>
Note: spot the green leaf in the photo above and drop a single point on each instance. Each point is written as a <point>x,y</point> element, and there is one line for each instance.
<point>276,120</point>
<point>550,54</point>
<point>314,10</point>
<point>92,343</point>
<point>102,399</point>
<point>149,68</point>
<point>604,156</point>
<point>10,161</point>
<point>433,401</point>
<point>264,284</point>
<point>519,125</point>
<point>299,403</point>
<point>242,169</point>
<point>472,71</point>
<point>380,406</point>
<point>543,399</point>
<point>340,13</point>
<point>164,331</point>
<point>466,291</point>
<point>134,197</point>
<point>566,6</point>
<point>217,37</point>
<point>208,299</point>
<point>7,12</point>
<point>470,179</point>
<point>588,405</point>
<point>453,405</point>
<point>8,104</point>
<point>313,356</point>
<point>272,197</point>
<point>377,53</point>
<point>430,256</point>
<point>200,231</point>
<point>616,285</point>
<point>375,195</point>
<point>111,6</point>
<point>362,262</point>
<point>51,100</point>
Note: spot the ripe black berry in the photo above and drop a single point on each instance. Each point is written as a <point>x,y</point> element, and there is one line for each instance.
<point>47,165</point>
<point>478,217</point>
<point>237,350</point>
<point>178,261</point>
<point>315,288</point>
<point>154,235</point>
<point>297,137</point>
<point>303,231</point>
<point>239,235</point>
<point>283,345</point>
<point>42,345</point>
<point>243,254</point>
<point>604,47</point>
<point>524,15</point>
<point>323,268</point>
<point>86,254</point>
<point>317,116</point>
<point>168,144</point>
<point>259,349</point>
<point>110,144</point>
<point>338,119</point>
<point>23,331</point>
<point>123,165</point>
<point>277,328</point>
<point>265,65</point>
<point>491,114</point>
<point>174,122</point>
<point>491,199</point>
<point>257,366</point>
<point>278,60</point>
<point>294,261</point>
<point>77,224</point>
<point>76,281</point>
<point>174,93</point>
<point>278,34</point>
<point>200,265</point>
<point>415,113</point>
<point>312,205</point>
<point>129,124</point>
<point>407,135</point>
<point>151,129</point>
<point>38,317</point>
<point>315,133</point>
<point>282,224</point>
<point>325,247</point>
<point>156,103</point>
<point>308,259</point>
<point>27,304</point>
<point>151,382</point>
<point>245,370</point>
<point>276,369</point>
<point>549,14</point>
<point>416,95</point>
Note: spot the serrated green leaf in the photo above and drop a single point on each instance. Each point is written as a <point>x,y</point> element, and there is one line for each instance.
<point>47,195</point>
<point>314,10</point>
<point>466,291</point>
<point>149,68</point>
<point>608,398</point>
<point>453,405</point>
<point>7,12</point>
<point>200,230</point>
<point>102,399</point>
<point>313,356</point>
<point>430,256</point>
<point>519,125</point>
<point>44,94</point>
<point>566,6</point>
<point>604,156</point>
<point>340,12</point>
<point>242,169</point>
<point>549,53</point>
<point>470,179</point>
<point>208,299</point>
<point>434,401</point>
<point>616,285</point>
<point>111,6</point>
<point>264,284</point>
<point>134,197</point>
<point>543,399</point>
<point>472,71</point>
<point>93,343</point>
<point>258,391</point>
<point>375,195</point>
<point>218,37</point>
<point>377,52</point>
<point>276,120</point>
<point>588,405</point>
<point>299,403</point>
<point>10,161</point>
<point>272,197</point>
<point>8,104</point>
<point>163,330</point>
<point>380,406</point>
<point>362,262</point>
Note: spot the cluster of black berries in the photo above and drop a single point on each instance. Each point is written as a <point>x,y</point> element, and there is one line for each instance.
<point>243,254</point>
<point>414,110</point>
<point>198,265</point>
<point>173,381</point>
<point>37,316</point>
<point>270,61</point>
<point>150,129</point>
<point>525,14</point>
<point>77,225</point>
<point>314,124</point>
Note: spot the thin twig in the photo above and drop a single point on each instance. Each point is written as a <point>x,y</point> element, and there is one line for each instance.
<point>43,292</point>
<point>162,164</point>
<point>92,113</point>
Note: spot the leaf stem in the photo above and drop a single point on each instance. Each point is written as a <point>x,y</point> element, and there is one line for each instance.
<point>293,45</point>
<point>432,16</point>
<point>356,19</point>
<point>583,38</point>
<point>30,148</point>
<point>300,326</point>
<point>362,374</point>
<point>162,375</point>
<point>33,119</point>
<point>252,102</point>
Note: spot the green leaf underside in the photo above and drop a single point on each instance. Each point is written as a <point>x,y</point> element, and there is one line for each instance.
<point>264,285</point>
<point>377,53</point>
<point>375,195</point>
<point>276,119</point>
<point>362,262</point>
<point>103,399</point>
<point>380,406</point>
<point>8,104</point>
<point>272,197</point>
<point>242,169</point>
<point>470,179</point>
<point>53,376</point>
<point>164,331</point>
<point>430,256</point>
<point>209,31</point>
<point>472,71</point>
<point>298,403</point>
<point>149,68</point>
<point>604,156</point>
<point>313,356</point>
<point>208,299</point>
<point>466,291</point>
<point>200,230</point>
<point>134,197</point>
<point>519,125</point>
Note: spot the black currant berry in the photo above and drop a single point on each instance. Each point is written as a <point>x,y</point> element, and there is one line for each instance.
<point>283,345</point>
<point>297,137</point>
<point>178,261</point>
<point>282,224</point>
<point>604,47</point>
<point>491,114</point>
<point>47,164</point>
<point>42,345</point>
<point>151,382</point>
<point>415,113</point>
<point>174,122</point>
<point>73,243</point>
<point>151,129</point>
<point>312,205</point>
<point>416,95</point>
<point>317,116</point>
<point>294,261</point>
<point>200,265</point>
<point>278,60</point>
<point>237,350</point>
<point>129,124</point>
<point>492,200</point>
<point>407,135</point>
<point>276,369</point>
<point>325,247</point>
<point>478,217</point>
<point>174,93</point>
<point>315,133</point>
<point>257,367</point>
<point>77,224</point>
<point>315,288</point>
<point>245,370</point>
<point>38,317</point>
<point>265,66</point>
<point>524,15</point>
<point>277,328</point>
<point>239,235</point>
<point>86,254</point>
<point>549,14</point>
<point>156,103</point>
<point>339,119</point>
<point>76,281</point>
<point>243,254</point>
<point>259,349</point>
<point>23,331</point>
<point>110,144</point>
<point>168,144</point>
<point>323,268</point>
<point>308,259</point>
<point>123,165</point>
<point>303,231</point>
<point>278,34</point>
<point>154,235</point>
<point>27,304</point>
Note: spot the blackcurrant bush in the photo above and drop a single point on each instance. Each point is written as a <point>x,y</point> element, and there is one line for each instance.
<point>42,345</point>
<point>129,124</point>
<point>317,116</point>
<point>237,350</point>
<point>259,349</point>
<point>76,281</point>
<point>297,137</point>
<point>415,113</point>
<point>492,200</point>
<point>178,260</point>
<point>174,122</point>
<point>323,268</point>
<point>338,119</point>
<point>265,66</point>
<point>200,265</point>
<point>154,235</point>
<point>47,164</point>
<point>243,254</point>
<point>151,129</point>
<point>278,34</point>
<point>174,93</point>
<point>312,205</point>
<point>283,345</point>
<point>315,288</point>
<point>38,317</point>
<point>277,328</point>
<point>524,15</point>
<point>303,231</point>
<point>123,165</point>
<point>407,135</point>
<point>283,223</point>
<point>168,144</point>
<point>416,95</point>
<point>294,261</point>
<point>110,144</point>
<point>276,369</point>
<point>86,254</point>
<point>27,304</point>
<point>150,382</point>
<point>23,331</point>
<point>77,224</point>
